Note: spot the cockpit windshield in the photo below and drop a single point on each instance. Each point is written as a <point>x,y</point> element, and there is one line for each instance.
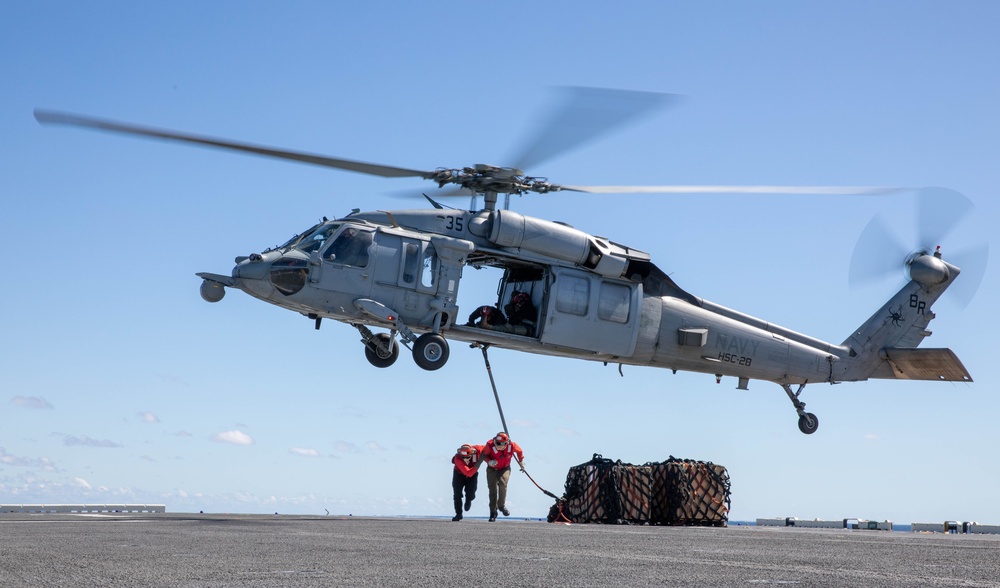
<point>314,238</point>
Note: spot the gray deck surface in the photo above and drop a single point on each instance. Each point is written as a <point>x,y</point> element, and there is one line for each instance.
<point>268,550</point>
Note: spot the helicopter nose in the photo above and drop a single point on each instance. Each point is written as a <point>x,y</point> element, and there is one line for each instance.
<point>287,274</point>
<point>251,268</point>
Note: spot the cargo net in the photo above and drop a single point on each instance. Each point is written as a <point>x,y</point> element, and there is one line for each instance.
<point>673,492</point>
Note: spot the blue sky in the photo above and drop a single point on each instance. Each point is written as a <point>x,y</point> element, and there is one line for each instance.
<point>119,384</point>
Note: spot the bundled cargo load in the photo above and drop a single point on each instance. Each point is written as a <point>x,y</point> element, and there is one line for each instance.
<point>672,492</point>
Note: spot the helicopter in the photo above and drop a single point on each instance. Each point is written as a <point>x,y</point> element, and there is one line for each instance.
<point>591,298</point>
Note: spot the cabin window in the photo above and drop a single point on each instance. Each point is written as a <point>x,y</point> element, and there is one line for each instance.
<point>410,255</point>
<point>614,302</point>
<point>429,270</point>
<point>572,295</point>
<point>350,248</point>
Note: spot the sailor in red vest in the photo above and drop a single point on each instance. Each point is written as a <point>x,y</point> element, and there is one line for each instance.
<point>465,477</point>
<point>497,455</point>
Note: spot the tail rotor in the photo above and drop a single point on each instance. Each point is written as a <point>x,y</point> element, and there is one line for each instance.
<point>880,252</point>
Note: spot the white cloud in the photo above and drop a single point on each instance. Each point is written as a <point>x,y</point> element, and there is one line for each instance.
<point>567,432</point>
<point>86,441</point>
<point>873,437</point>
<point>304,452</point>
<point>234,437</point>
<point>147,417</point>
<point>13,460</point>
<point>345,447</point>
<point>348,447</point>
<point>82,483</point>
<point>36,402</point>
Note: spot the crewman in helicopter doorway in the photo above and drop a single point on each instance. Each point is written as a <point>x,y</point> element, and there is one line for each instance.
<point>497,454</point>
<point>465,476</point>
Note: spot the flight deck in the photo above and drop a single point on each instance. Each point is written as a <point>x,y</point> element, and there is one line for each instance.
<point>173,549</point>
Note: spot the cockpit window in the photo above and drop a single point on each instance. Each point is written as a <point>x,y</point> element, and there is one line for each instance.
<point>350,248</point>
<point>316,238</point>
<point>294,240</point>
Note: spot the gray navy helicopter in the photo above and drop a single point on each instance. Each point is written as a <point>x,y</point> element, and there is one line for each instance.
<point>591,298</point>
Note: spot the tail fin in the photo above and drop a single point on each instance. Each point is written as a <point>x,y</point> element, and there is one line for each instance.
<point>884,346</point>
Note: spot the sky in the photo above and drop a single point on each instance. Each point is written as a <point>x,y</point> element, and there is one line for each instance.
<point>118,383</point>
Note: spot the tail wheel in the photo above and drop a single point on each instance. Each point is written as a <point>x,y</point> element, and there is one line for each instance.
<point>808,423</point>
<point>430,351</point>
<point>379,358</point>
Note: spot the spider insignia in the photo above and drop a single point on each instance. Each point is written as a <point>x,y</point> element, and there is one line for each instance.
<point>896,316</point>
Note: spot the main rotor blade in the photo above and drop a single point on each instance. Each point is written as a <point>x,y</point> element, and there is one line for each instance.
<point>847,190</point>
<point>581,116</point>
<point>51,117</point>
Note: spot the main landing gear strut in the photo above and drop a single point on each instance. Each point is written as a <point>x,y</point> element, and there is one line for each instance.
<point>381,350</point>
<point>808,423</point>
<point>430,350</point>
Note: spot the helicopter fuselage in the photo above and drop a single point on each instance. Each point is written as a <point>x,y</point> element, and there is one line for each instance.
<point>595,299</point>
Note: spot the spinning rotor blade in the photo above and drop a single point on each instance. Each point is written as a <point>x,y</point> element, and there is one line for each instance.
<point>50,117</point>
<point>583,115</point>
<point>730,189</point>
<point>587,114</point>
<point>877,254</point>
<point>939,210</point>
<point>972,262</point>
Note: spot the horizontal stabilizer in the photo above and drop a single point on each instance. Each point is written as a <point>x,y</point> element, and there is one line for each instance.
<point>922,364</point>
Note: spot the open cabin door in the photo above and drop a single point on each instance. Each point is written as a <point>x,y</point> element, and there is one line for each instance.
<point>591,313</point>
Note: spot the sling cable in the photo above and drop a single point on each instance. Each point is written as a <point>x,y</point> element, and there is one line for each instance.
<point>503,421</point>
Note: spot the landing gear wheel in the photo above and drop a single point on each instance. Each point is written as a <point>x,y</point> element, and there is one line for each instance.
<point>379,358</point>
<point>430,351</point>
<point>808,423</point>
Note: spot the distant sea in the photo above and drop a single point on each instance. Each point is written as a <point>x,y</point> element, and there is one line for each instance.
<point>904,527</point>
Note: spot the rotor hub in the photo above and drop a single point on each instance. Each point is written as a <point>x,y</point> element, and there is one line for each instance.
<point>928,269</point>
<point>491,180</point>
